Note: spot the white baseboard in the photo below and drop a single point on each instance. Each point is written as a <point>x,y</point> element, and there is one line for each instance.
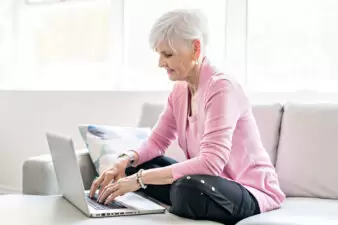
<point>9,190</point>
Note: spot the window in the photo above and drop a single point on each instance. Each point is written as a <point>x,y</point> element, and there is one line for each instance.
<point>271,45</point>
<point>292,45</point>
<point>6,38</point>
<point>98,44</point>
<point>68,45</point>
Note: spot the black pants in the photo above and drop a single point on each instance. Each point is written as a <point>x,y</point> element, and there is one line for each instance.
<point>201,197</point>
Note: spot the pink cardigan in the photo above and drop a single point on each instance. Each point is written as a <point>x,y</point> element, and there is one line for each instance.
<point>228,141</point>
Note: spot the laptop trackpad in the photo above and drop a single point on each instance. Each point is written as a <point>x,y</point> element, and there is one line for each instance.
<point>136,201</point>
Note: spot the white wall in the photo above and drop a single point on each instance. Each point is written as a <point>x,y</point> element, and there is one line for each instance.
<point>25,116</point>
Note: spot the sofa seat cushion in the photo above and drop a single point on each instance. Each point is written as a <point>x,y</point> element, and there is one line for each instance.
<point>299,211</point>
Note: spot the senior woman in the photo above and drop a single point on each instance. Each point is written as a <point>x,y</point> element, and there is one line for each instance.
<point>227,175</point>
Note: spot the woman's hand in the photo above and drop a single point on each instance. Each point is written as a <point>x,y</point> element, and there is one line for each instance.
<point>113,173</point>
<point>118,188</point>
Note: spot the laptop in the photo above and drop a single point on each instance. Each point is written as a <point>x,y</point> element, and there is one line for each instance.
<point>72,189</point>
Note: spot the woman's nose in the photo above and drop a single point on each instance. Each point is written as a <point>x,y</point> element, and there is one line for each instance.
<point>161,63</point>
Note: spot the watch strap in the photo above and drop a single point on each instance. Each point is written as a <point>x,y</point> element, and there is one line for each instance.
<point>131,157</point>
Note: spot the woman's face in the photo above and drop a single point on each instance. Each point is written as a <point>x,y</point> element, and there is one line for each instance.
<point>178,63</point>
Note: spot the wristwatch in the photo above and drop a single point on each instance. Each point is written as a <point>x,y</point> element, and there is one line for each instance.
<point>131,157</point>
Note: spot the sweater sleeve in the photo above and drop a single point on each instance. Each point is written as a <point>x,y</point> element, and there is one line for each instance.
<point>222,110</point>
<point>162,135</point>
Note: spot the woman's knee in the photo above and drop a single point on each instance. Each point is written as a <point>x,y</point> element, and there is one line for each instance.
<point>195,198</point>
<point>187,199</point>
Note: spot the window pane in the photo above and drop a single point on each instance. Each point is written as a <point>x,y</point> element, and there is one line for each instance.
<point>67,45</point>
<point>292,45</point>
<point>141,61</point>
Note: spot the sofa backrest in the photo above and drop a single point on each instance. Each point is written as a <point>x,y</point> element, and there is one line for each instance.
<point>150,114</point>
<point>301,140</point>
<point>268,118</point>
<point>307,156</point>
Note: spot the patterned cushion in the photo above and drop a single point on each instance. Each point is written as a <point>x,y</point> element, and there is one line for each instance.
<point>106,143</point>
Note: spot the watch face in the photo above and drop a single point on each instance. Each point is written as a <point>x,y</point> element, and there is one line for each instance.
<point>131,155</point>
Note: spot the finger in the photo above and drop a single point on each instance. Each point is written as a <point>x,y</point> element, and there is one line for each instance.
<point>104,183</point>
<point>119,176</point>
<point>95,185</point>
<point>108,191</point>
<point>113,196</point>
<point>105,193</point>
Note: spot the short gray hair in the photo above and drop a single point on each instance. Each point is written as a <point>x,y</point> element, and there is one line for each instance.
<point>180,25</point>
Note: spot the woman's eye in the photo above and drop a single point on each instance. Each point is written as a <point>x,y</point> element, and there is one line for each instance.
<point>168,55</point>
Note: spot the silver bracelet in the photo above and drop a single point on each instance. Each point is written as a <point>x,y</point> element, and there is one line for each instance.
<point>139,179</point>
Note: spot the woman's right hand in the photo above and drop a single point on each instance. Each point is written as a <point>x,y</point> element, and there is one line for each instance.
<point>114,173</point>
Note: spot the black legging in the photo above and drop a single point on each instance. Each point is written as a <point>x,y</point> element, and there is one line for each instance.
<point>201,197</point>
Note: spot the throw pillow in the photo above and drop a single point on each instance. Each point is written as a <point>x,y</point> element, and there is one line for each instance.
<point>106,143</point>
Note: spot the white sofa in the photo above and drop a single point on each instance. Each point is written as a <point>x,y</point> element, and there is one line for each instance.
<point>302,141</point>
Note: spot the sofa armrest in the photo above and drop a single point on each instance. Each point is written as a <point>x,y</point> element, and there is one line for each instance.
<point>38,175</point>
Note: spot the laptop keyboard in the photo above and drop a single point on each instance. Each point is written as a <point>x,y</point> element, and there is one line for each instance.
<point>98,206</point>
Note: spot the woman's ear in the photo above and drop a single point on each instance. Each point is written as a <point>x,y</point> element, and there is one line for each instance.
<point>196,49</point>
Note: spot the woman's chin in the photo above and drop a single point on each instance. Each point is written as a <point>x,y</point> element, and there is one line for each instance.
<point>172,78</point>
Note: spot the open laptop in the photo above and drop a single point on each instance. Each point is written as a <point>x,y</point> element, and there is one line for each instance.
<point>71,185</point>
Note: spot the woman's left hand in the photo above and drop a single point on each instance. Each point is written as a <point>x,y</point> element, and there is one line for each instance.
<point>118,188</point>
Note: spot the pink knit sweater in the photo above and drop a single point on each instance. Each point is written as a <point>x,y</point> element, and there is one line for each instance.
<point>223,139</point>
